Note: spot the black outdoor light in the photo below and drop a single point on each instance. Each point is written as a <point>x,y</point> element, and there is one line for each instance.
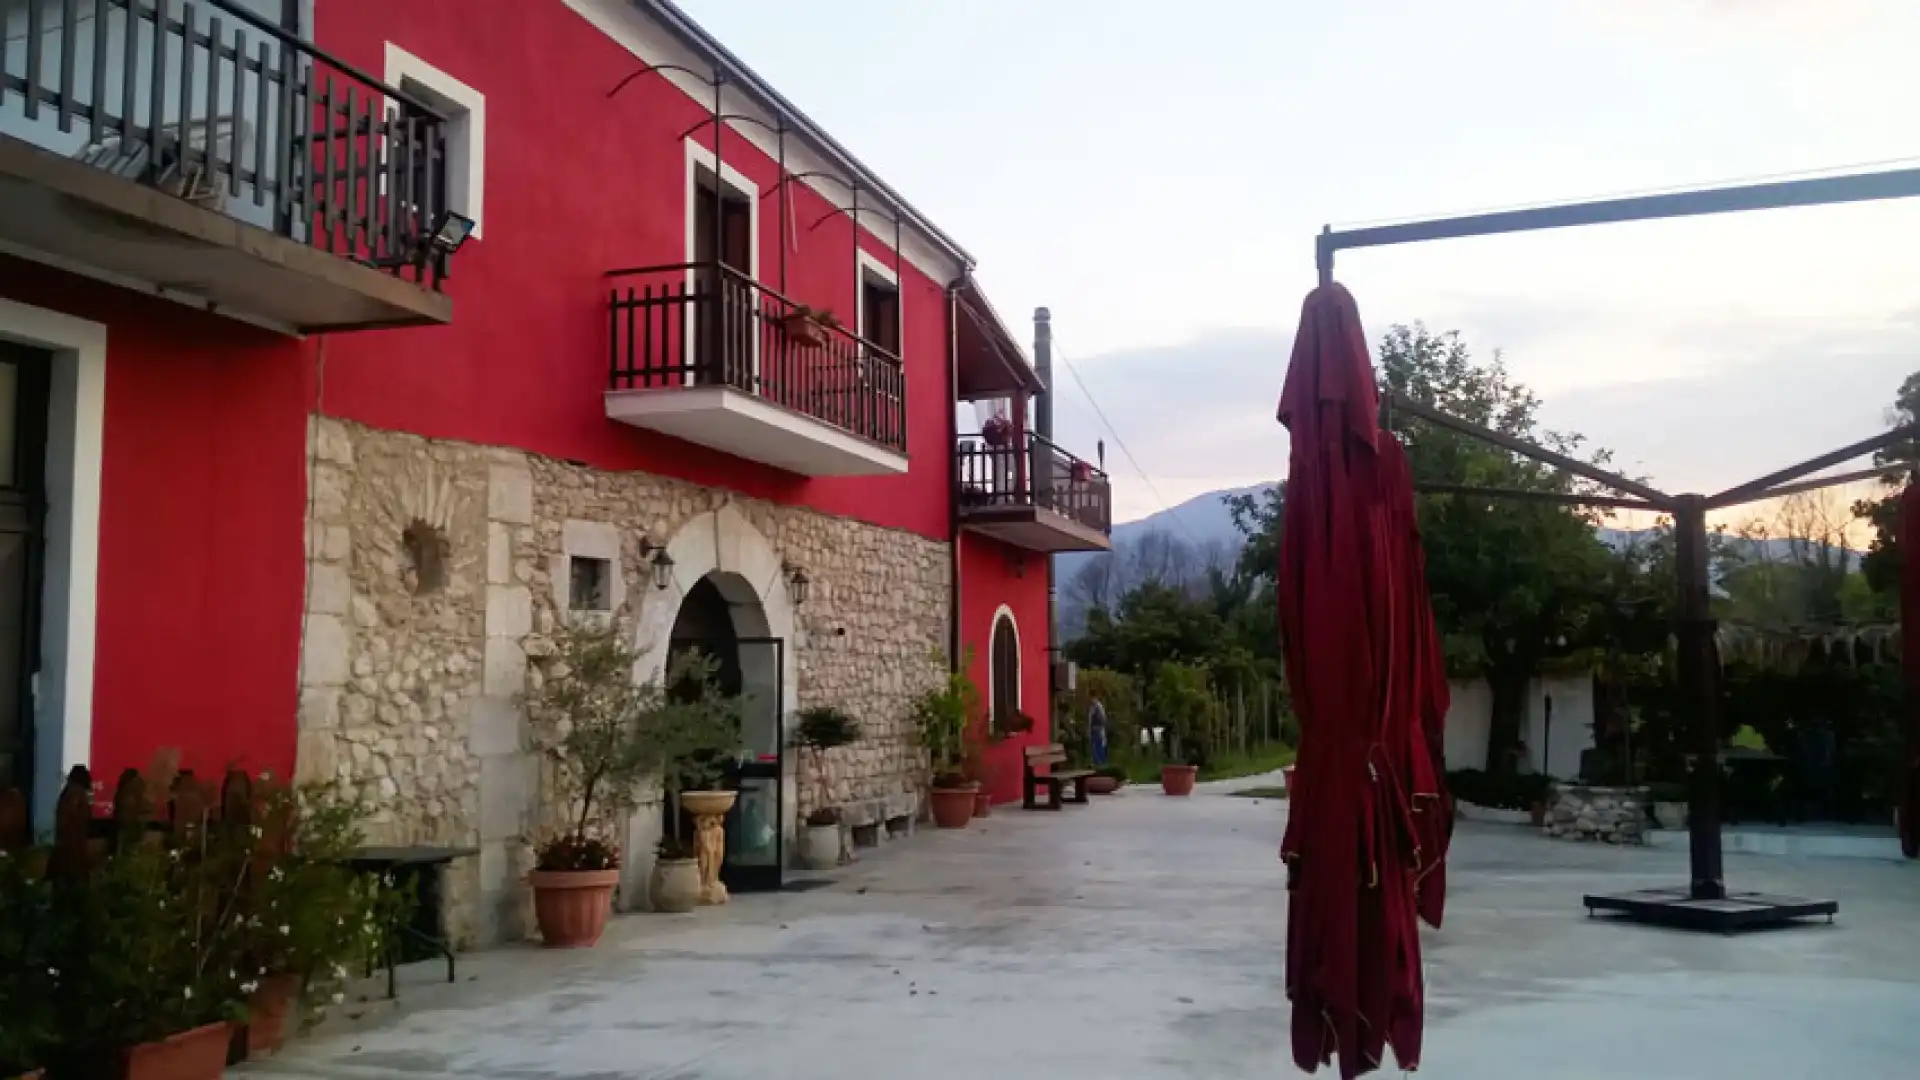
<point>656,555</point>
<point>450,232</point>
<point>797,583</point>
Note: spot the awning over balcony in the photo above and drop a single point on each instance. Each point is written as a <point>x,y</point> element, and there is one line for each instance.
<point>992,362</point>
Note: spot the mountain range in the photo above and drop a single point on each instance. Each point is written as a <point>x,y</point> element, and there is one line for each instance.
<point>1203,528</point>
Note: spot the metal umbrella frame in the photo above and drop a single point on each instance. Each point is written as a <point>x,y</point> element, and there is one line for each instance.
<point>1705,903</point>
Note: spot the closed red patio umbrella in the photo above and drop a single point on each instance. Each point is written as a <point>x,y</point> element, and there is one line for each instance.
<point>1369,824</point>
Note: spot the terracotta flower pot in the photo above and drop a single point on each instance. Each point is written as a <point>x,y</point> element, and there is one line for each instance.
<point>1102,785</point>
<point>1538,812</point>
<point>200,1054</point>
<point>952,807</point>
<point>982,804</point>
<point>572,906</point>
<point>676,885</point>
<point>1178,779</point>
<point>268,1011</point>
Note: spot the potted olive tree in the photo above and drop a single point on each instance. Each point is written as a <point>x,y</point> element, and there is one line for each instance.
<point>1180,698</point>
<point>944,714</point>
<point>587,708</point>
<point>820,729</point>
<point>690,737</point>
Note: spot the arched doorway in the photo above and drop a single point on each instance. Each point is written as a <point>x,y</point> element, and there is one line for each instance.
<point>721,618</point>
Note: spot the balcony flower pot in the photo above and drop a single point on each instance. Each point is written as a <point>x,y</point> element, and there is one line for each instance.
<point>200,1054</point>
<point>1082,472</point>
<point>268,1010</point>
<point>952,806</point>
<point>1178,779</point>
<point>571,906</point>
<point>997,432</point>
<point>676,884</point>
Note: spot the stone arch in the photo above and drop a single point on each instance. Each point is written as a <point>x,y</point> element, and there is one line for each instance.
<point>724,548</point>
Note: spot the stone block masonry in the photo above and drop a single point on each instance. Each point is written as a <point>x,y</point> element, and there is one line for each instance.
<point>1610,815</point>
<point>437,570</point>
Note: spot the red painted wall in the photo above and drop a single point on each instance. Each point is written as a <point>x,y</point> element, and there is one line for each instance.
<point>988,579</point>
<point>202,498</point>
<point>577,184</point>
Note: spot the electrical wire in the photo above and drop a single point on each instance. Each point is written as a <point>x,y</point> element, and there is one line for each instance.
<point>1121,444</point>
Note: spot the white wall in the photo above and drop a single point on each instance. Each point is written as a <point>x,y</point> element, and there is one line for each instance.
<point>1471,713</point>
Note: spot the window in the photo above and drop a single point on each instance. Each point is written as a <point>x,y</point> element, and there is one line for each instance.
<point>1003,670</point>
<point>879,304</point>
<point>590,585</point>
<point>466,111</point>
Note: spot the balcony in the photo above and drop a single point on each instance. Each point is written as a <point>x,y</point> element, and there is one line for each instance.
<point>1039,497</point>
<point>704,353</point>
<point>199,151</point>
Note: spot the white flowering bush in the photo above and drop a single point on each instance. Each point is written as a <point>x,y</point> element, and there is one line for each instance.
<point>28,970</point>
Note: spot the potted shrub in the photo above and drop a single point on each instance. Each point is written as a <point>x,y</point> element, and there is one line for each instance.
<point>587,707</point>
<point>306,914</point>
<point>820,729</point>
<point>28,974</point>
<point>690,738</point>
<point>1106,780</point>
<point>943,715</point>
<point>1670,802</point>
<point>1180,697</point>
<point>675,885</point>
<point>150,965</point>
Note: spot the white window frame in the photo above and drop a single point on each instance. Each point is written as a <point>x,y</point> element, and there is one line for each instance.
<point>62,707</point>
<point>1019,684</point>
<point>698,158</point>
<point>466,110</point>
<point>869,264</point>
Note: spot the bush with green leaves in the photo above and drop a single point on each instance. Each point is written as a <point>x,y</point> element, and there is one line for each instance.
<point>1181,699</point>
<point>28,975</point>
<point>945,715</point>
<point>688,730</point>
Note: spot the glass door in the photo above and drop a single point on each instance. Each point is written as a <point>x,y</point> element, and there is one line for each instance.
<point>756,844</point>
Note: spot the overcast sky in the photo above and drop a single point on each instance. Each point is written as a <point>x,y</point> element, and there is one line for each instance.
<point>1155,173</point>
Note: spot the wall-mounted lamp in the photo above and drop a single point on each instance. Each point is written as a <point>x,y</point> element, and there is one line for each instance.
<point>662,563</point>
<point>450,232</point>
<point>1017,563</point>
<point>797,583</point>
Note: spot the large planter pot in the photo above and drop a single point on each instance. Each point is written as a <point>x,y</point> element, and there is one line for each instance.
<point>268,1010</point>
<point>572,906</point>
<point>200,1054</point>
<point>952,807</point>
<point>982,804</point>
<point>823,847</point>
<point>676,885</point>
<point>1178,779</point>
<point>1102,785</point>
<point>1670,815</point>
<point>709,810</point>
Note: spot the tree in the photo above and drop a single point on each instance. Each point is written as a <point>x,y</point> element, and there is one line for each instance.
<point>1883,559</point>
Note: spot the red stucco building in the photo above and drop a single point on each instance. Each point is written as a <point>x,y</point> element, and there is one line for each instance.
<point>295,481</point>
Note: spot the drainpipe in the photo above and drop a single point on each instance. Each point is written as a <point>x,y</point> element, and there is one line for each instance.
<point>1043,423</point>
<point>953,472</point>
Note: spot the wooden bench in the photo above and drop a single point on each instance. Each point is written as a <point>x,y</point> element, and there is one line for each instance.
<point>1052,755</point>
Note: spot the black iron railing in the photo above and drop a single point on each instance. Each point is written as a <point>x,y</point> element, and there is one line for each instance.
<point>1040,475</point>
<point>704,324</point>
<point>210,102</point>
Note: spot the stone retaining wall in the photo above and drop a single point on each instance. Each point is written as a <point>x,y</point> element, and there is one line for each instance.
<point>437,568</point>
<point>1611,815</point>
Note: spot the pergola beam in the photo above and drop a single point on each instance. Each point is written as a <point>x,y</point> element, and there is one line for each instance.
<point>1561,498</point>
<point>1769,486</point>
<point>1660,500</point>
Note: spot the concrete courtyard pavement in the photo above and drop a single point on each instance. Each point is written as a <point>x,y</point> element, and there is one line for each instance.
<point>1141,937</point>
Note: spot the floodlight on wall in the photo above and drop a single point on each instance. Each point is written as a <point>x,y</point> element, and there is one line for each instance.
<point>655,555</point>
<point>450,232</point>
<point>798,583</point>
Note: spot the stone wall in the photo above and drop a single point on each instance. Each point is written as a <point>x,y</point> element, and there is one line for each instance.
<point>437,568</point>
<point>1606,814</point>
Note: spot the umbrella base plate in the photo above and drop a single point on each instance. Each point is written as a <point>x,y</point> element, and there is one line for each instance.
<point>1737,911</point>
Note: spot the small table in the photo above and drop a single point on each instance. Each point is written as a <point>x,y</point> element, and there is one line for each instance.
<point>423,863</point>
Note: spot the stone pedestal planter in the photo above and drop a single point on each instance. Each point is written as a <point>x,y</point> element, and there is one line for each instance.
<point>709,810</point>
<point>1610,815</point>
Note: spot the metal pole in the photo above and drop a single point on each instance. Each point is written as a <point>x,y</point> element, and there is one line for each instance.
<point>786,212</point>
<point>1546,736</point>
<point>1043,420</point>
<point>1700,693</point>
